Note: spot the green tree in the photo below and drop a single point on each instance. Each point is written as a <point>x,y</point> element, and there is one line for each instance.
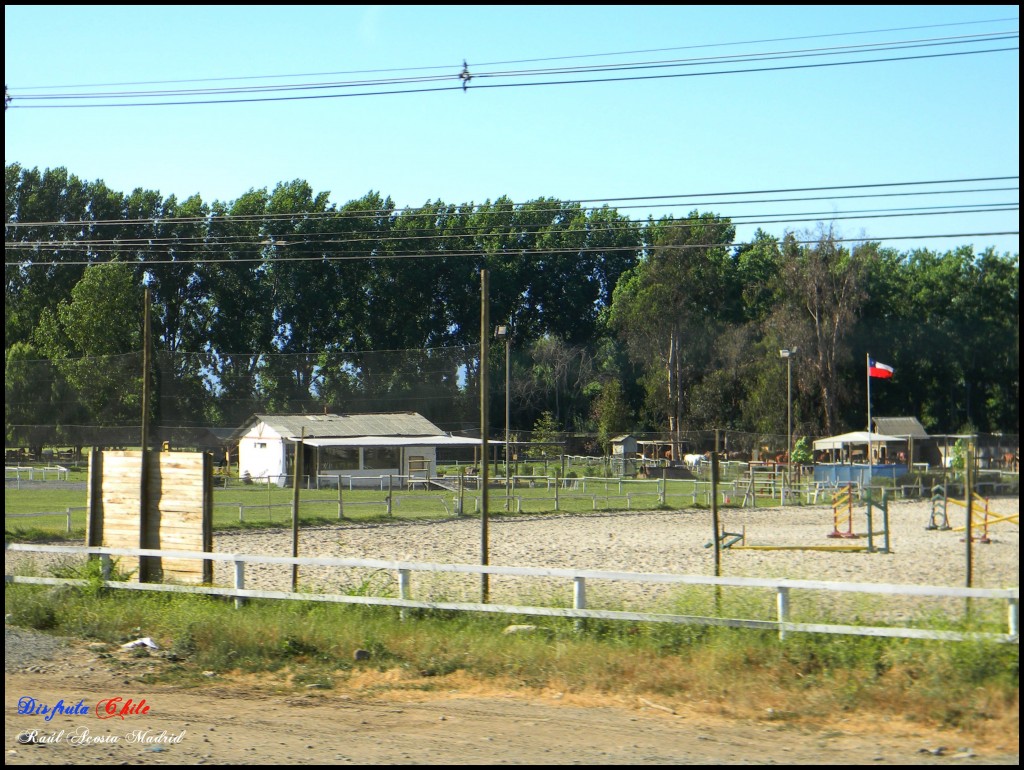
<point>670,308</point>
<point>802,454</point>
<point>46,248</point>
<point>825,294</point>
<point>611,413</point>
<point>545,429</point>
<point>32,393</point>
<point>95,341</point>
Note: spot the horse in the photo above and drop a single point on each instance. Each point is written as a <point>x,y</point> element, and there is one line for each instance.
<point>693,460</point>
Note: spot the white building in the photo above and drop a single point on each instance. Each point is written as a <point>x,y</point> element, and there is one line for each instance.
<point>353,449</point>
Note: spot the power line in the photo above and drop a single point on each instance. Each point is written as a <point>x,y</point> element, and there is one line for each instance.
<point>619,67</point>
<point>543,59</point>
<point>396,92</point>
<point>476,208</point>
<point>476,252</point>
<point>315,239</point>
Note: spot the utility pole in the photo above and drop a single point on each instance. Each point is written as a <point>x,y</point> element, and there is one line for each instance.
<point>485,331</point>
<point>149,566</point>
<point>788,354</point>
<point>503,333</point>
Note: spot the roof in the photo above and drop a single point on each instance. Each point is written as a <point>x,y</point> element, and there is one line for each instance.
<point>365,441</point>
<point>294,426</point>
<point>857,437</point>
<point>900,426</point>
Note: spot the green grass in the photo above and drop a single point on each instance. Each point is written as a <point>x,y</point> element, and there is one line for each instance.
<point>241,506</point>
<point>964,685</point>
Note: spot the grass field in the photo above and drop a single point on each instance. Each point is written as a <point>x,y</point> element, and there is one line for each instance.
<point>238,505</point>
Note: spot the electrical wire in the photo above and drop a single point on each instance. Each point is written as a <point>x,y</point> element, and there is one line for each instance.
<point>473,253</point>
<point>477,74</point>
<point>462,86</point>
<point>543,59</point>
<point>180,245</point>
<point>686,201</point>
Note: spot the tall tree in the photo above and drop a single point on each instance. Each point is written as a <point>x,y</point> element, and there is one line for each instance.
<point>95,341</point>
<point>824,296</point>
<point>670,307</point>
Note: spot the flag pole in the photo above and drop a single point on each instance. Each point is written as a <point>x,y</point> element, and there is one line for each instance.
<point>868,370</point>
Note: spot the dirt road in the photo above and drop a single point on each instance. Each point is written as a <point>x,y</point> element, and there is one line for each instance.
<point>380,718</point>
<point>252,721</point>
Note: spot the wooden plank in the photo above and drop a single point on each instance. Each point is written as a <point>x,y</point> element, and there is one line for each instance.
<point>178,498</point>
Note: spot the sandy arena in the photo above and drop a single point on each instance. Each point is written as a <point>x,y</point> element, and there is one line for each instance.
<point>657,542</point>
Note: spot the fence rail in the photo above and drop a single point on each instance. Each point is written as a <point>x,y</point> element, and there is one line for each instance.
<point>35,473</point>
<point>782,587</point>
<point>65,513</point>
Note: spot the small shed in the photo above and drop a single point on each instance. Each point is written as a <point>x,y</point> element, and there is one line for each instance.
<point>359,448</point>
<point>624,447</point>
<point>920,446</point>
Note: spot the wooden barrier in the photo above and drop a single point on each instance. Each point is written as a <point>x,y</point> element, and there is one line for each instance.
<point>179,513</point>
<point>842,513</point>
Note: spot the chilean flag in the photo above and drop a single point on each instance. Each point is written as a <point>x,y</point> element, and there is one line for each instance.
<point>876,369</point>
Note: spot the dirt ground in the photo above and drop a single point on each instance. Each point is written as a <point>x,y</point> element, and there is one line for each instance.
<point>375,721</point>
<point>380,718</point>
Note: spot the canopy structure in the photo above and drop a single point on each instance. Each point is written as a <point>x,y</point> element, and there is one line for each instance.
<point>844,448</point>
<point>856,437</point>
<point>371,441</point>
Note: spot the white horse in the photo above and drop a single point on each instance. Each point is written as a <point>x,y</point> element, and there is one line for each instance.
<point>693,461</point>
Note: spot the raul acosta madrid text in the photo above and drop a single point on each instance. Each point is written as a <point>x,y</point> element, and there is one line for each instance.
<point>81,736</point>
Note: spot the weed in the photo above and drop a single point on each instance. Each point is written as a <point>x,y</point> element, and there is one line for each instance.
<point>958,684</point>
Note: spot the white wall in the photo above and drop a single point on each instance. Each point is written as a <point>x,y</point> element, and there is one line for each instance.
<point>261,453</point>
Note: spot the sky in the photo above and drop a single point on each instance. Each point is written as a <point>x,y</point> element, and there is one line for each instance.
<point>661,129</point>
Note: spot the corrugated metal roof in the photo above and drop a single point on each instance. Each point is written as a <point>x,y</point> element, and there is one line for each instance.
<point>413,441</point>
<point>349,425</point>
<point>900,426</point>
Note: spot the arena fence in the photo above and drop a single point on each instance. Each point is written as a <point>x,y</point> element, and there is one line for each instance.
<point>579,579</point>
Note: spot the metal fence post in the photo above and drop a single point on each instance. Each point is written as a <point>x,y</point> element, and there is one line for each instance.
<point>239,582</point>
<point>404,588</point>
<point>782,601</point>
<point>579,599</point>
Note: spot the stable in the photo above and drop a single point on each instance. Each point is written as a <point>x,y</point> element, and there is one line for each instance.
<point>351,449</point>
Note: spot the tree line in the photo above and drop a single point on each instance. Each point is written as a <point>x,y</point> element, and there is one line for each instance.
<point>282,301</point>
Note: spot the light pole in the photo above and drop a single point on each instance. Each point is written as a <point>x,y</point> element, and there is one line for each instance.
<point>502,333</point>
<point>788,354</point>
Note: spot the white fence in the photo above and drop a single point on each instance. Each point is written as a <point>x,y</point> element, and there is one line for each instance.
<point>17,472</point>
<point>404,570</point>
<point>66,513</point>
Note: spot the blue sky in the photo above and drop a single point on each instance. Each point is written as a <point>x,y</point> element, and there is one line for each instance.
<point>947,117</point>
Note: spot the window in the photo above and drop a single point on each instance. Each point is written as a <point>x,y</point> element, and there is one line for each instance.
<point>380,457</point>
<point>337,458</point>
